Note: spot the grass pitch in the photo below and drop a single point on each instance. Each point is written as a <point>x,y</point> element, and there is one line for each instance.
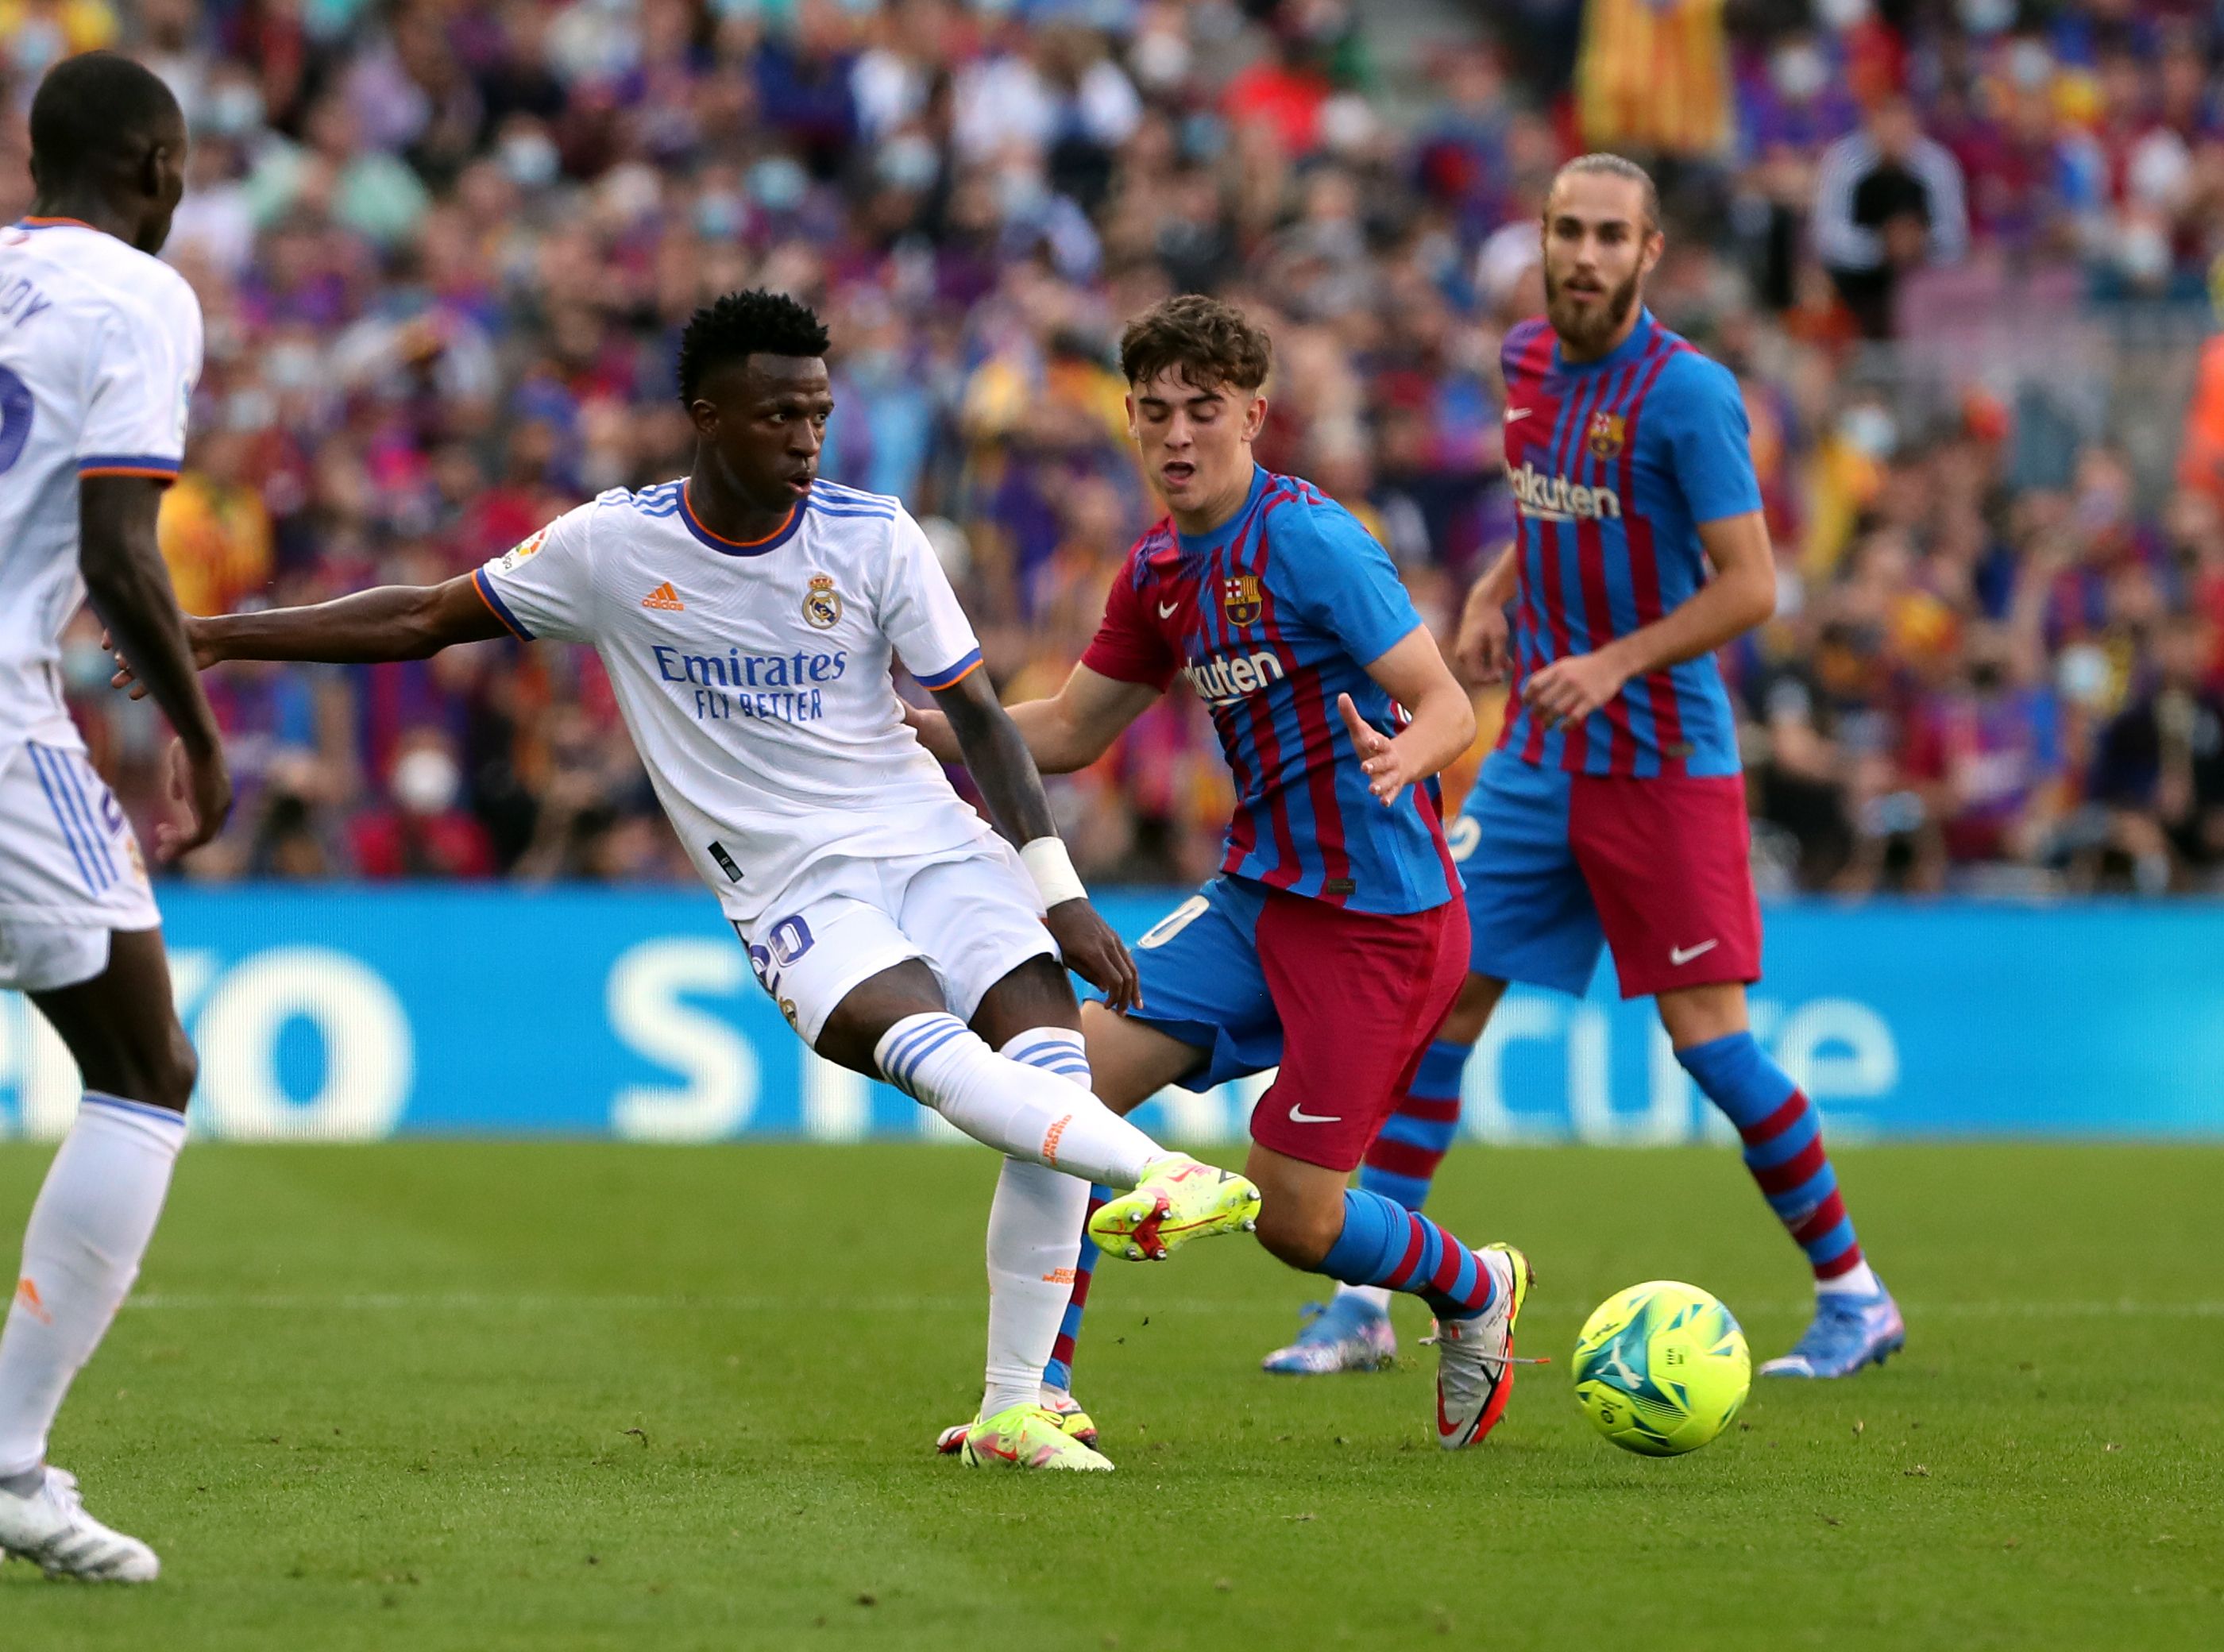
<point>568,1396</point>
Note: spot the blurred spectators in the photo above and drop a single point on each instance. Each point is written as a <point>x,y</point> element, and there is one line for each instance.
<point>1958,256</point>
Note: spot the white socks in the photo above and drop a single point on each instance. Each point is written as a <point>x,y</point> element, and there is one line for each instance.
<point>1859,1280</point>
<point>1035,1236</point>
<point>88,1229</point>
<point>1019,1110</point>
<point>1375,1296</point>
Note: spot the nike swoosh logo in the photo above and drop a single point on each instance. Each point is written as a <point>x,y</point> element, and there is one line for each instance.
<point>1512,414</point>
<point>1680,955</point>
<point>1299,1116</point>
<point>1166,610</point>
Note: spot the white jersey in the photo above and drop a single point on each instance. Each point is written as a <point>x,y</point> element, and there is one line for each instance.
<point>99,349</point>
<point>754,679</point>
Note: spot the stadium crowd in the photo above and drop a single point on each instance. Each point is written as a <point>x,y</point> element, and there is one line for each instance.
<point>444,248</point>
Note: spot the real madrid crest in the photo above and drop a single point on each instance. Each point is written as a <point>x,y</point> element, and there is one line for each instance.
<point>1239,599</point>
<point>1605,435</point>
<point>822,604</point>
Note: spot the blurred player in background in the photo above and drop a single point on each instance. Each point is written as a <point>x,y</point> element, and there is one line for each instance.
<point>1613,811</point>
<point>100,344</point>
<point>1334,940</point>
<point>748,616</point>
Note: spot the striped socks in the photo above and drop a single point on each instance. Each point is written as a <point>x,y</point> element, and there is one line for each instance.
<point>1402,1160</point>
<point>1784,1149</point>
<point>1384,1243</point>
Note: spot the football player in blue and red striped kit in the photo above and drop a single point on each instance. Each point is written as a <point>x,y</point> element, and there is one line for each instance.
<point>1334,940</point>
<point>1613,811</point>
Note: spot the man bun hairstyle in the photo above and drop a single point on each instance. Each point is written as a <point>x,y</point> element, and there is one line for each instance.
<point>94,112</point>
<point>742,325</point>
<point>1210,343</point>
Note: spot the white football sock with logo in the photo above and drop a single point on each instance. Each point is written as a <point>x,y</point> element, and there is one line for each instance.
<point>88,1230</point>
<point>1034,1238</point>
<point>1019,1110</point>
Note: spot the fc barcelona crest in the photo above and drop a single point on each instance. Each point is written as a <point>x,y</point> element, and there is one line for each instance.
<point>1604,436</point>
<point>1240,600</point>
<point>822,604</point>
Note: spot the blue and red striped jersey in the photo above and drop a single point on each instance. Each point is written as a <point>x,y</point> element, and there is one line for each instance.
<point>1271,617</point>
<point>1614,463</point>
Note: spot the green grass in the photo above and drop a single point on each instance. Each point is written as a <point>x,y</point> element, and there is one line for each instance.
<point>552,1396</point>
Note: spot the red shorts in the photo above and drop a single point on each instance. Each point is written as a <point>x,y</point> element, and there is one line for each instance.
<point>1358,996</point>
<point>1556,865</point>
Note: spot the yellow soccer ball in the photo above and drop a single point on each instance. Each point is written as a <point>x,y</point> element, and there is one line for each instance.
<point>1661,1368</point>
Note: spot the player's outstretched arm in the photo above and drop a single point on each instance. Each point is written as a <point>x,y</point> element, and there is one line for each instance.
<point>391,622</point>
<point>129,586</point>
<point>1068,731</point>
<point>991,746</point>
<point>1442,719</point>
<point>1740,595</point>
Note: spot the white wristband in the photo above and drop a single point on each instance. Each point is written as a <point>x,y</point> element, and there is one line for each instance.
<point>1051,868</point>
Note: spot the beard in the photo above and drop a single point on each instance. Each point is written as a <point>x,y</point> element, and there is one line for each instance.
<point>1588,330</point>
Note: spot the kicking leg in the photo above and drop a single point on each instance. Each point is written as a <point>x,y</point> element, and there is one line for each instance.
<point>89,1228</point>
<point>1352,1331</point>
<point>1856,1322</point>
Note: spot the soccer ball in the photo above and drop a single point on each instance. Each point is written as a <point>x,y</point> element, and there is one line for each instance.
<point>1661,1368</point>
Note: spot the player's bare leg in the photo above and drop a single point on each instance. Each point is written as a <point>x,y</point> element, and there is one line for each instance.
<point>94,1216</point>
<point>1856,1322</point>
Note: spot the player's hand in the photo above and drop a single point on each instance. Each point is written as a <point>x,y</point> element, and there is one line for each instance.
<point>200,789</point>
<point>1570,689</point>
<point>933,730</point>
<point>197,637</point>
<point>1479,650</point>
<point>1093,952</point>
<point>1389,774</point>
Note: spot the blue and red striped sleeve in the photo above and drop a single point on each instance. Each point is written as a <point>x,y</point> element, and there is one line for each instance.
<point>1128,648</point>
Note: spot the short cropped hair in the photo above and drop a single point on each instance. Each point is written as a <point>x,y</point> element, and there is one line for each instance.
<point>1211,343</point>
<point>1601,164</point>
<point>741,324</point>
<point>95,108</point>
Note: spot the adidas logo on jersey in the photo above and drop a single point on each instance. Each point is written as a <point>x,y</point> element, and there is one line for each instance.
<point>664,597</point>
<point>1556,498</point>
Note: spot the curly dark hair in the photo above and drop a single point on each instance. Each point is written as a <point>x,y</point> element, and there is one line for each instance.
<point>93,111</point>
<point>1210,342</point>
<point>755,323</point>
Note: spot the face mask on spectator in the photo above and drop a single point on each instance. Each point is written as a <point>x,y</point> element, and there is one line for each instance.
<point>2031,65</point>
<point>290,366</point>
<point>1798,71</point>
<point>2143,254</point>
<point>530,160</point>
<point>1161,59</point>
<point>1869,431</point>
<point>717,216</point>
<point>2081,674</point>
<point>1842,14</point>
<point>236,109</point>
<point>909,162</point>
<point>426,780</point>
<point>37,43</point>
<point>778,183</point>
<point>1986,16</point>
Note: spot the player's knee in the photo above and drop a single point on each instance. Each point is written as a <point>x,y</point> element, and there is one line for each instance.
<point>170,1073</point>
<point>1299,1231</point>
<point>1470,1011</point>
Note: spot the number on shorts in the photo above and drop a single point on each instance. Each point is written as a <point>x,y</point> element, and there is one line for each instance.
<point>15,418</point>
<point>1174,921</point>
<point>1464,838</point>
<point>791,938</point>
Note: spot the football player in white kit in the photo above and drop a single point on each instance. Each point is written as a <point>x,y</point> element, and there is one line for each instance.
<point>747,616</point>
<point>99,347</point>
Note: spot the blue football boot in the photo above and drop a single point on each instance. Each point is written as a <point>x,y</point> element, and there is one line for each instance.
<point>1349,1333</point>
<point>1848,1333</point>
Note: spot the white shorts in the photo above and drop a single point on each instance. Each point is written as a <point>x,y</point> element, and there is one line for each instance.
<point>69,869</point>
<point>971,913</point>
